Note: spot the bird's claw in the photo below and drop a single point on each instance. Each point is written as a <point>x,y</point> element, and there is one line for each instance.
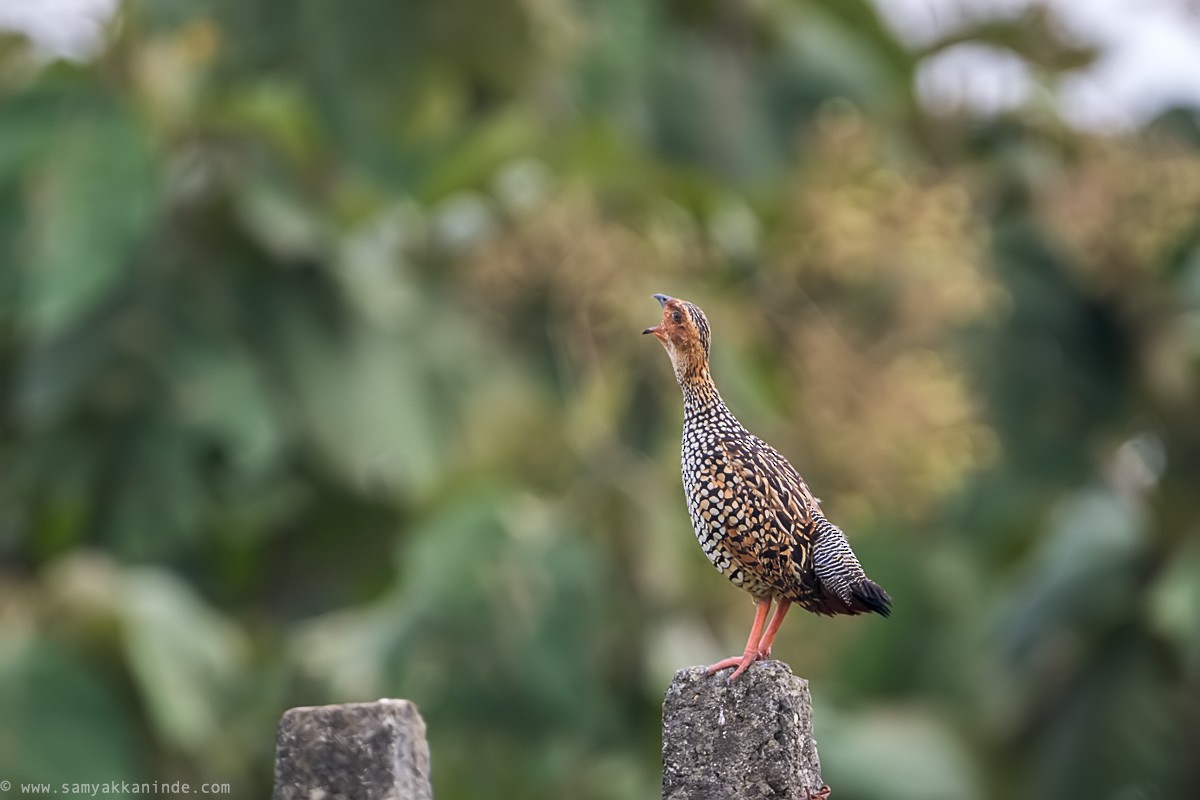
<point>742,663</point>
<point>820,794</point>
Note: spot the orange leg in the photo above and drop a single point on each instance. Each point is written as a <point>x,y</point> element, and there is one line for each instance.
<point>762,607</point>
<point>768,638</point>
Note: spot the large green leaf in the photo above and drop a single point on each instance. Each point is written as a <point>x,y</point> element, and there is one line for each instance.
<point>47,690</point>
<point>89,209</point>
<point>185,657</point>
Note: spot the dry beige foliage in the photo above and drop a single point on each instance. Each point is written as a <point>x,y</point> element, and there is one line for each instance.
<point>893,261</point>
<point>1123,208</point>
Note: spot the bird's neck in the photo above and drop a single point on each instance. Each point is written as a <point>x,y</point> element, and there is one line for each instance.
<point>700,395</point>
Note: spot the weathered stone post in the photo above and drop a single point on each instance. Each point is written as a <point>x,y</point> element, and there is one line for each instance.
<point>746,740</point>
<point>357,751</point>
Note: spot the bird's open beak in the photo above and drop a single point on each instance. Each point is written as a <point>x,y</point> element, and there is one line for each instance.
<point>657,329</point>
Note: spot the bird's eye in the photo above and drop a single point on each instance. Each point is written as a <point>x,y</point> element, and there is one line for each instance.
<point>675,315</point>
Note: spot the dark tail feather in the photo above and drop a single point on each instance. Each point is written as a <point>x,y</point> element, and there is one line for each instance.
<point>870,596</point>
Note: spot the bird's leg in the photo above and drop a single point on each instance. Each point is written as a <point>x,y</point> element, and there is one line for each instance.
<point>768,637</point>
<point>762,607</point>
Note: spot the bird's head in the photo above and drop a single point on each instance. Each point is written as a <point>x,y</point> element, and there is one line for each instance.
<point>684,332</point>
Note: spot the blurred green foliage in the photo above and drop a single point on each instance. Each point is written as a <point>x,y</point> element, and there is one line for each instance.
<point>322,382</point>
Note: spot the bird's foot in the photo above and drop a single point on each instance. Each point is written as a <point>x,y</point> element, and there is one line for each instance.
<point>764,654</point>
<point>742,663</point>
<point>820,794</point>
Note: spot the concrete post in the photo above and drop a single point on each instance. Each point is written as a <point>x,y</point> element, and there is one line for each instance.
<point>357,751</point>
<point>746,740</point>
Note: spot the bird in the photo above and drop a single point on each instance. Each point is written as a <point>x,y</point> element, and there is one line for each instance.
<point>754,516</point>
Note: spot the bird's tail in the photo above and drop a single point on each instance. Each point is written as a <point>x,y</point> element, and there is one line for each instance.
<point>867,595</point>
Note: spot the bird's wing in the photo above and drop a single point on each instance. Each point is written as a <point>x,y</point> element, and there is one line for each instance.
<point>773,528</point>
<point>778,507</point>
